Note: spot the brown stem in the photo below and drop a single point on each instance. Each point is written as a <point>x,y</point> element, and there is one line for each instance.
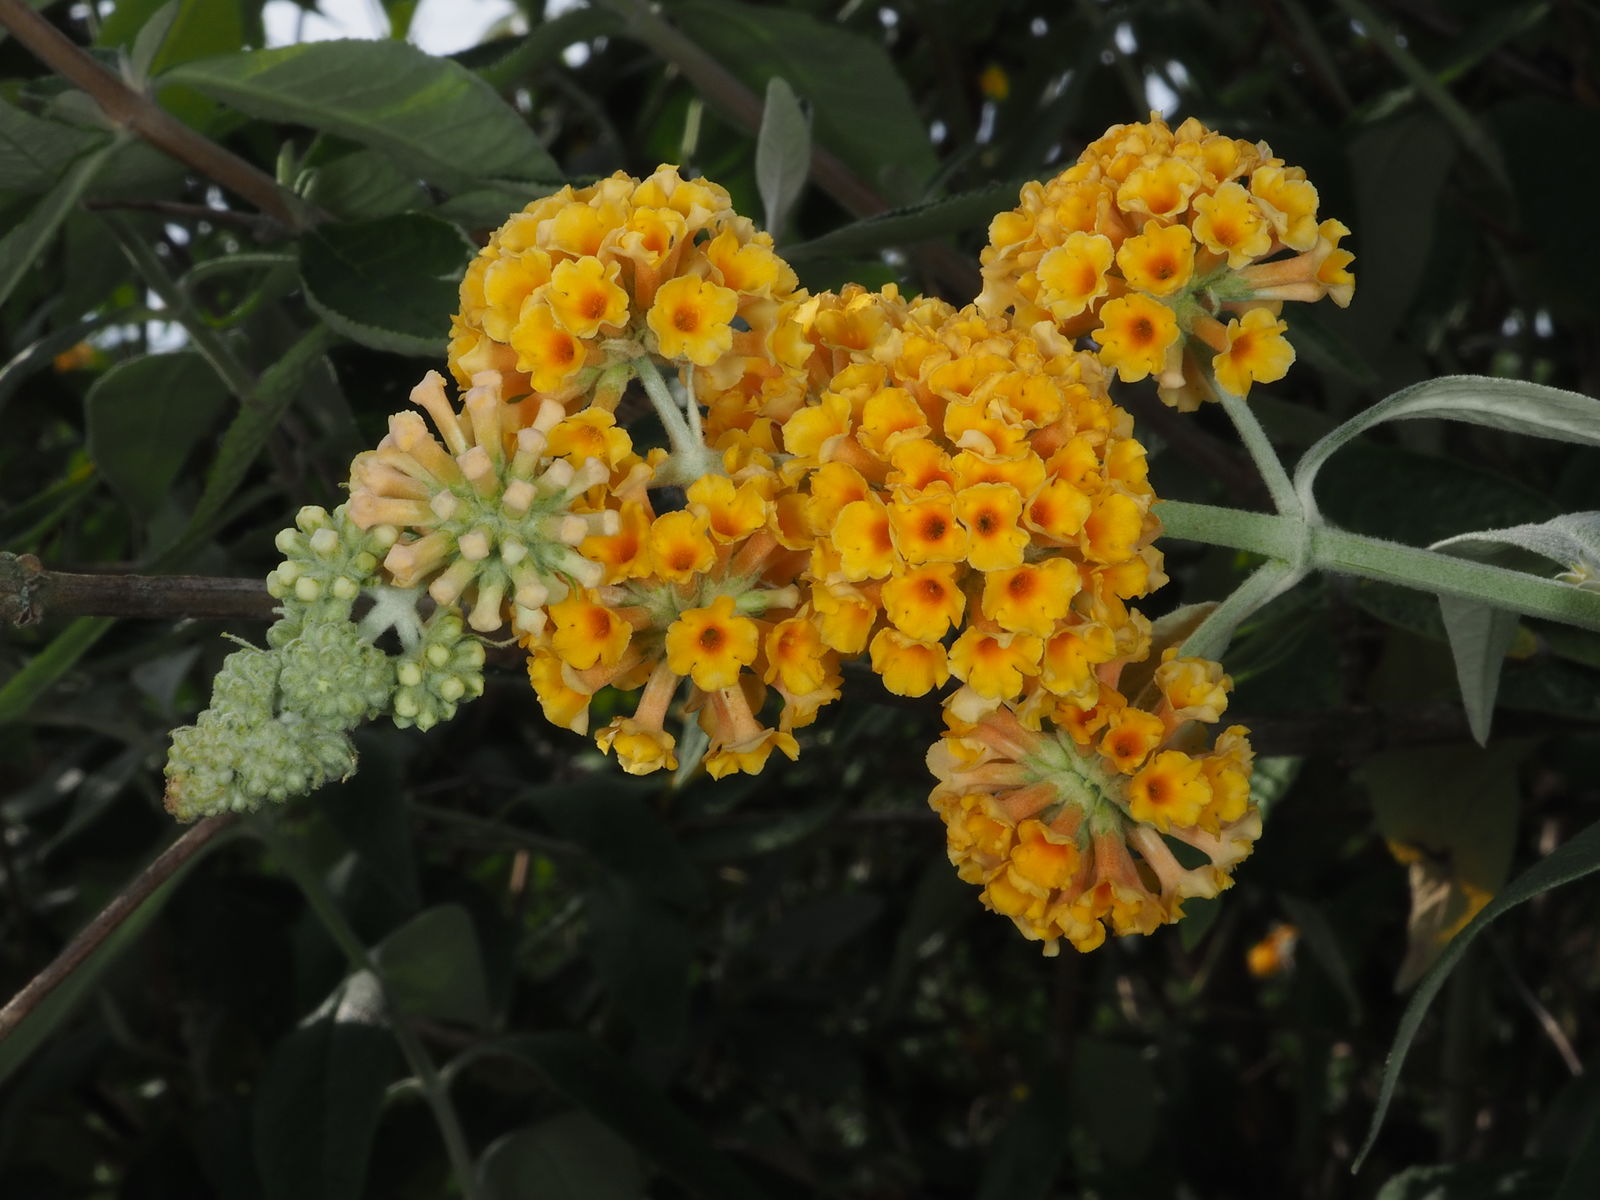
<point>28,591</point>
<point>140,115</point>
<point>123,906</point>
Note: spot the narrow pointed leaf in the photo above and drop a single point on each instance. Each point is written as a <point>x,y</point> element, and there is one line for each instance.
<point>1575,859</point>
<point>1508,404</point>
<point>783,154</point>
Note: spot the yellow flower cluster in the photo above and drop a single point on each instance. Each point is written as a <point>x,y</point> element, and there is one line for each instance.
<point>1167,247</point>
<point>1067,825</point>
<point>971,502</point>
<point>588,277</point>
<point>949,493</point>
<point>704,593</point>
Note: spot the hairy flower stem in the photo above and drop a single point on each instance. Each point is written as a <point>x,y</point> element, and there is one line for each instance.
<point>1211,637</point>
<point>416,1055</point>
<point>691,458</point>
<point>1282,537</point>
<point>1284,497</point>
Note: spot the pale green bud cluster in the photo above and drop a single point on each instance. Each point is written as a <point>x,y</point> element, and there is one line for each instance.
<point>243,750</point>
<point>441,672</point>
<point>328,561</point>
<point>280,718</point>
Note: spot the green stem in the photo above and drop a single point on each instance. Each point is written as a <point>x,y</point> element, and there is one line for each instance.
<point>1471,134</point>
<point>1284,497</point>
<point>1344,553</point>
<point>206,340</point>
<point>355,952</point>
<point>691,458</point>
<point>1211,636</point>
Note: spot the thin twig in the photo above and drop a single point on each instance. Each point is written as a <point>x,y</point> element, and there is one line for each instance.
<point>123,906</point>
<point>253,223</point>
<point>134,111</point>
<point>28,591</point>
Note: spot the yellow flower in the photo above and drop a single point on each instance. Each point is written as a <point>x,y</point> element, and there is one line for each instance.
<point>1171,790</point>
<point>1048,824</point>
<point>908,666</point>
<point>1135,336</point>
<point>864,539</point>
<point>583,295</point>
<point>679,547</point>
<point>1159,190</point>
<point>731,512</point>
<point>691,319</point>
<point>1159,260</point>
<point>1289,202</point>
<point>1072,276</point>
<point>548,353</point>
<point>587,634</point>
<point>1229,222</point>
<point>924,602</point>
<point>990,512</point>
<point>994,664</point>
<point>1256,352</point>
<point>710,645</point>
<point>926,530</point>
<point>639,748</point>
<point>1130,735</point>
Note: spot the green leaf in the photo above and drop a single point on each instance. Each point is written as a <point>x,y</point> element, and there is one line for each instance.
<point>27,240</point>
<point>644,954</point>
<point>317,1105</point>
<point>1110,1080</point>
<point>433,116</point>
<point>144,417</point>
<point>433,967</point>
<point>34,152</point>
<point>1318,935</point>
<point>1472,1181</point>
<point>861,107</point>
<point>1027,1154</point>
<point>370,811</point>
<point>615,825</point>
<point>1572,539</point>
<point>1479,638</point>
<point>591,1076</point>
<point>258,416</point>
<point>389,283</point>
<point>1450,814</point>
<point>913,223</point>
<point>1508,404</point>
<point>23,689</point>
<point>1576,858</point>
<point>783,154</point>
<point>25,1038</point>
<point>566,1157</point>
<point>365,184</point>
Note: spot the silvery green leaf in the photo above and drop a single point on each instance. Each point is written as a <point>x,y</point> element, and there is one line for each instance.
<point>783,154</point>
<point>1508,404</point>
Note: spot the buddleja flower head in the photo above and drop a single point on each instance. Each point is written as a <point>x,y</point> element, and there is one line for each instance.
<point>1174,250</point>
<point>702,596</point>
<point>970,501</point>
<point>1066,821</point>
<point>586,278</point>
<point>494,514</point>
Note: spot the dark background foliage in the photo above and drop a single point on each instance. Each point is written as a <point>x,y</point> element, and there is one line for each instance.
<point>775,987</point>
